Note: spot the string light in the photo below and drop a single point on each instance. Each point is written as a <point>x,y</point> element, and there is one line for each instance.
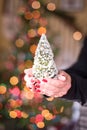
<point>77,35</point>
<point>35,4</point>
<point>51,6</point>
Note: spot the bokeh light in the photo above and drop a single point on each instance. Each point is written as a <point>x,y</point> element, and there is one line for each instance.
<point>33,48</point>
<point>31,33</point>
<point>14,80</point>
<point>39,118</point>
<point>51,6</point>
<point>28,15</point>
<point>12,114</point>
<point>45,112</point>
<point>48,116</point>
<point>43,21</point>
<point>28,64</point>
<point>35,4</point>
<point>25,115</point>
<point>3,89</point>
<point>19,113</point>
<point>36,14</point>
<point>40,124</point>
<point>77,35</point>
<point>41,30</point>
<point>19,42</point>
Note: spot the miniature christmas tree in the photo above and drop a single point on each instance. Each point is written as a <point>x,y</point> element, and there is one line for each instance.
<point>44,65</point>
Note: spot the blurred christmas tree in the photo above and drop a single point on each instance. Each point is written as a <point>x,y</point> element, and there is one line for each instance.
<point>16,100</point>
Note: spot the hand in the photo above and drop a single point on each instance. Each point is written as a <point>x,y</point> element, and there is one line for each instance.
<point>56,87</point>
<point>31,81</point>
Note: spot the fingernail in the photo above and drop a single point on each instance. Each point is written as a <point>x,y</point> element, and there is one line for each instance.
<point>37,86</point>
<point>44,80</point>
<point>38,81</point>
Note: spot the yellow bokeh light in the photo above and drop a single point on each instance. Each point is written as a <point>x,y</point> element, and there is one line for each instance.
<point>41,30</point>
<point>51,6</point>
<point>33,48</point>
<point>49,116</point>
<point>28,64</point>
<point>31,33</point>
<point>77,35</point>
<point>40,124</point>
<point>35,4</point>
<point>24,115</point>
<point>36,14</point>
<point>19,42</point>
<point>12,114</point>
<point>3,89</point>
<point>14,80</point>
<point>45,112</point>
<point>28,15</point>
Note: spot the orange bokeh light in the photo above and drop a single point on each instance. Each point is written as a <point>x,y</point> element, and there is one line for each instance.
<point>36,14</point>
<point>19,42</point>
<point>77,35</point>
<point>33,48</point>
<point>41,30</point>
<point>28,15</point>
<point>3,89</point>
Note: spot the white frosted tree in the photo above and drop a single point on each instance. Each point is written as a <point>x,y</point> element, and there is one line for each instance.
<point>44,65</point>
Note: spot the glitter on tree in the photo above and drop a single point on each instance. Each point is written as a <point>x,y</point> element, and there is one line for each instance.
<point>44,65</point>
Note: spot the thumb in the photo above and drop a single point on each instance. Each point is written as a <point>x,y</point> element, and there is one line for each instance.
<point>62,76</point>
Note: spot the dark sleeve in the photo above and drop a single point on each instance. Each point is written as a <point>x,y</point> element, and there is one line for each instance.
<point>78,73</point>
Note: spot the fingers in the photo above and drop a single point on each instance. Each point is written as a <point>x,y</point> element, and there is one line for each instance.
<point>28,71</point>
